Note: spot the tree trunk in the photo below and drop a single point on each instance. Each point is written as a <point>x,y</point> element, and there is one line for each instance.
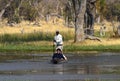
<point>79,31</point>
<point>80,9</point>
<point>90,16</point>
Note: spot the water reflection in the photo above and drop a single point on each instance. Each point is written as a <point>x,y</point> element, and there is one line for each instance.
<point>58,69</point>
<point>37,67</point>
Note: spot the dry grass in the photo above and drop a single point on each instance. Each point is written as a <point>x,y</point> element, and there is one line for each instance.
<point>28,27</point>
<point>104,42</point>
<point>108,25</point>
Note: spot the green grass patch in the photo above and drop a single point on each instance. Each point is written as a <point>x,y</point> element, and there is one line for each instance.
<point>72,48</point>
<point>9,47</point>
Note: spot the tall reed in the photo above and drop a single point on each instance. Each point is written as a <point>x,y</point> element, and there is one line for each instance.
<point>36,36</point>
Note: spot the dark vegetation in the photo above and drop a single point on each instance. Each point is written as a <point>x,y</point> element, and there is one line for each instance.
<point>18,10</point>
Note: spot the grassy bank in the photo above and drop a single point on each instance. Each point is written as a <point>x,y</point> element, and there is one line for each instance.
<point>42,42</point>
<point>27,37</point>
<point>47,47</point>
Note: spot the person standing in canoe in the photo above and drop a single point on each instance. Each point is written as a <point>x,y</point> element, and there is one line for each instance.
<point>58,41</point>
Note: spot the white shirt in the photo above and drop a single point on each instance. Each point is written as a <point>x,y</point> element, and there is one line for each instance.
<point>58,39</point>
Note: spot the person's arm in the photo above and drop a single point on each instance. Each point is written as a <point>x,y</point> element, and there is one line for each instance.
<point>54,41</point>
<point>65,58</point>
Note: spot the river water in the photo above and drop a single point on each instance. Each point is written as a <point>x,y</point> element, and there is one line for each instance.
<point>37,67</point>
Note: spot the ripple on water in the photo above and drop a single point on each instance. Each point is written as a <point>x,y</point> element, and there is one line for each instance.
<point>32,67</point>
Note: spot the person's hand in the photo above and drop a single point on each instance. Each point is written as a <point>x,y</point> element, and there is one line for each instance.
<point>53,45</point>
<point>54,40</point>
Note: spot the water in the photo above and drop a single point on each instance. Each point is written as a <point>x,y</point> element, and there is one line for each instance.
<point>37,67</point>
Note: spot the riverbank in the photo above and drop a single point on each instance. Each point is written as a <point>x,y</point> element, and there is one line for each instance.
<point>27,37</point>
<point>111,45</point>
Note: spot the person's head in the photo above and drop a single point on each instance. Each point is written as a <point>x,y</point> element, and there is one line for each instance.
<point>59,50</point>
<point>57,32</point>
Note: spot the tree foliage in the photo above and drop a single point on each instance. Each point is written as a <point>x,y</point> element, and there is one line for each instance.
<point>113,12</point>
<point>17,10</point>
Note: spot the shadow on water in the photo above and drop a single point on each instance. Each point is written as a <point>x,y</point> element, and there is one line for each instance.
<point>37,67</point>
